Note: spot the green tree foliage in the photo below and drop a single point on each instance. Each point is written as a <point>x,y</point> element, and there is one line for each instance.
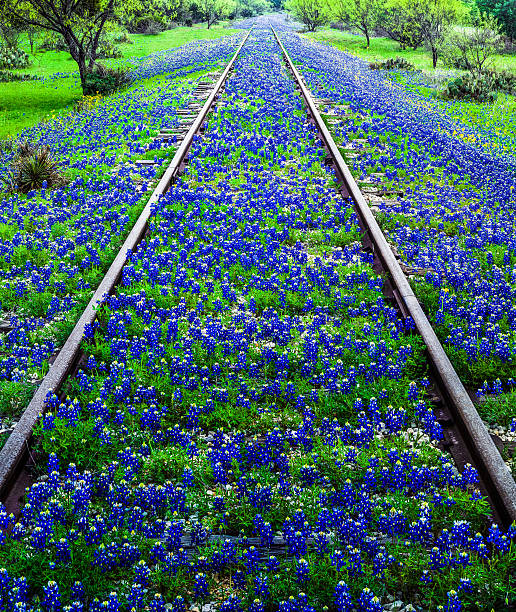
<point>402,21</point>
<point>313,13</point>
<point>211,11</point>
<point>249,8</point>
<point>135,15</point>
<point>439,18</point>
<point>504,11</point>
<point>11,29</point>
<point>473,49</point>
<point>79,22</point>
<point>364,15</point>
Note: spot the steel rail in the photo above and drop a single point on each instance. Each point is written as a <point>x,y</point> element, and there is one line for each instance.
<point>14,453</point>
<point>495,474</point>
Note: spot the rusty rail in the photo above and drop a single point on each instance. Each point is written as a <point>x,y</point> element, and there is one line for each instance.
<point>14,454</point>
<point>494,473</point>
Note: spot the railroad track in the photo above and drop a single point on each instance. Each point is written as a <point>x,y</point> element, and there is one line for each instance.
<point>465,435</point>
<point>16,451</point>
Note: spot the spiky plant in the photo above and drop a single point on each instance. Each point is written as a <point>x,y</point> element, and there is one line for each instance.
<point>35,168</point>
<point>26,148</point>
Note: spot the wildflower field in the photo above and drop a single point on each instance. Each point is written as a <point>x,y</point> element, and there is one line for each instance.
<point>252,427</point>
<point>447,201</point>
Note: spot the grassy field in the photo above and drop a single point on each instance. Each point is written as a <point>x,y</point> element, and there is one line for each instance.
<point>23,104</point>
<point>383,48</point>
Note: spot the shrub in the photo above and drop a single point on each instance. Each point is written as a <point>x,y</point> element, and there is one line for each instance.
<point>473,49</point>
<point>393,63</point>
<point>123,38</point>
<point>7,77</point>
<point>504,80</point>
<point>148,25</point>
<point>103,80</point>
<point>11,58</point>
<point>107,49</point>
<point>471,87</point>
<point>33,168</point>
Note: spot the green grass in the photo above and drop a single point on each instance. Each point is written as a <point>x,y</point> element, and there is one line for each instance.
<point>384,48</point>
<point>23,104</point>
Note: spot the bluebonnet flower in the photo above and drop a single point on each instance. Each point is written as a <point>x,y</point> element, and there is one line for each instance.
<point>52,598</point>
<point>179,604</point>
<point>368,602</point>
<point>201,586</point>
<point>232,604</point>
<point>343,601</point>
<point>256,606</point>
<point>453,604</point>
<point>302,571</point>
<point>157,604</point>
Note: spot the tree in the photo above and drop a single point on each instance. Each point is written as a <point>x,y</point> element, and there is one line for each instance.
<point>473,48</point>
<point>438,21</point>
<point>33,33</point>
<point>402,21</point>
<point>212,11</point>
<point>361,14</point>
<point>505,13</point>
<point>79,22</point>
<point>137,16</point>
<point>250,8</point>
<point>313,13</point>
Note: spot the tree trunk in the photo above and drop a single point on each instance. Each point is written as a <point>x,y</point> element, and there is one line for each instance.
<point>434,57</point>
<point>81,62</point>
<point>79,55</point>
<point>367,37</point>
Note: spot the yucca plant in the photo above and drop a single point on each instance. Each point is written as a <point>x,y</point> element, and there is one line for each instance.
<point>35,168</point>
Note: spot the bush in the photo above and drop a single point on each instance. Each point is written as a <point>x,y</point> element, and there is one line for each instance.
<point>148,25</point>
<point>504,80</point>
<point>471,87</point>
<point>123,38</point>
<point>107,49</point>
<point>53,42</point>
<point>33,168</point>
<point>8,77</point>
<point>103,80</point>
<point>393,63</point>
<point>473,49</point>
<point>11,58</point>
